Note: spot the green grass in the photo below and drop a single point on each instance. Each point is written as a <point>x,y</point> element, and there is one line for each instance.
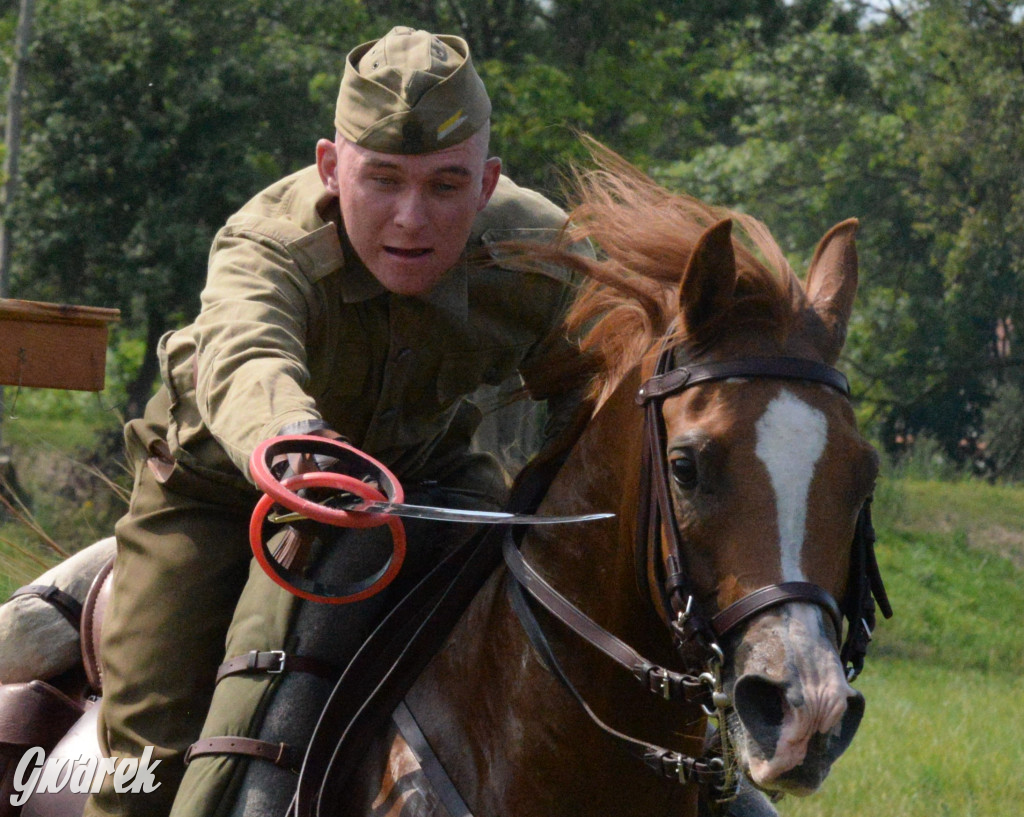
<point>52,436</point>
<point>943,733</point>
<point>935,741</point>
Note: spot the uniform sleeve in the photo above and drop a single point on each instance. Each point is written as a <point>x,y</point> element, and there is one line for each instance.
<point>251,334</point>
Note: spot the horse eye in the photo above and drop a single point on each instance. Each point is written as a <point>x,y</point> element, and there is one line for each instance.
<point>684,469</point>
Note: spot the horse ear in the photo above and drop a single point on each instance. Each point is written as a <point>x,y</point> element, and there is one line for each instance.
<point>710,279</point>
<point>832,285</point>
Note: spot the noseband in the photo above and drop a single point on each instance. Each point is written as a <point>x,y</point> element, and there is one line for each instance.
<point>696,634</point>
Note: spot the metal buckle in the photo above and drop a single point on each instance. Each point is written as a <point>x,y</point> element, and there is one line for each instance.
<point>281,656</point>
<point>679,625</point>
<point>674,765</point>
<point>659,682</point>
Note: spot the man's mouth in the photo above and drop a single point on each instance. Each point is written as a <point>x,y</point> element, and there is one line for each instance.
<point>403,252</point>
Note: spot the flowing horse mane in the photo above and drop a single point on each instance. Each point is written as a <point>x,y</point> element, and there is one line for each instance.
<point>645,236</point>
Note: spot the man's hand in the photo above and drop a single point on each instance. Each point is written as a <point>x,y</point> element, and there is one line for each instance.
<point>293,550</point>
<point>285,465</point>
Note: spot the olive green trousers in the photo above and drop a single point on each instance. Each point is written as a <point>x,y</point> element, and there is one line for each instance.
<point>180,568</point>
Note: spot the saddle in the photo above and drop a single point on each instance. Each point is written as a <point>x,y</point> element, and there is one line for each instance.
<point>57,714</point>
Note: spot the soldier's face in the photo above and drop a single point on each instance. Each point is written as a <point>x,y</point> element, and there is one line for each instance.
<point>409,217</point>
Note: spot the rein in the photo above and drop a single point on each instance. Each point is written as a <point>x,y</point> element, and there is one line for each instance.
<point>697,635</point>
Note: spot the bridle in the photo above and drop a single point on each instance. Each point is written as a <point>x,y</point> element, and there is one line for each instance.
<point>660,554</point>
<point>676,597</point>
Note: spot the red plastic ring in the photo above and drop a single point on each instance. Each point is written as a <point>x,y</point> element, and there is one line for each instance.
<point>314,590</point>
<point>352,461</point>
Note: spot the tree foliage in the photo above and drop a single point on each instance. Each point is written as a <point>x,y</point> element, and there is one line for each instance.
<point>912,122</point>
<point>149,122</point>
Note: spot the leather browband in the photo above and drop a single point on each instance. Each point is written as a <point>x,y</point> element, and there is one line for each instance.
<point>787,368</point>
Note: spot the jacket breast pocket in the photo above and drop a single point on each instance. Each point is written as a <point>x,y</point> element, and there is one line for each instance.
<point>462,373</point>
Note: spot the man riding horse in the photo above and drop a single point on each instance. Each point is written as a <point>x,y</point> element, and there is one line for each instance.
<point>353,299</point>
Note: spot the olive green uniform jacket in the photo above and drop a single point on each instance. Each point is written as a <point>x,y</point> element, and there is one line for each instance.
<point>293,330</point>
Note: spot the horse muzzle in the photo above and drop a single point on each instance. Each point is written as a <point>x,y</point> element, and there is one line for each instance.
<point>795,712</point>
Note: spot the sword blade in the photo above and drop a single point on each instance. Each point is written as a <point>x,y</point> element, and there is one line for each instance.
<point>445,514</point>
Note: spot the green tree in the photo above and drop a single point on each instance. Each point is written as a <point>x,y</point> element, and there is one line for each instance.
<point>629,72</point>
<point>148,123</point>
<point>912,122</point>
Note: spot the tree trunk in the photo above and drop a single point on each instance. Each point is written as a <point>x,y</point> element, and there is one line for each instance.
<point>12,141</point>
<point>140,389</point>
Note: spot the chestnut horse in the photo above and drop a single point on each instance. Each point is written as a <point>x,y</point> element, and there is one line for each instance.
<point>736,499</point>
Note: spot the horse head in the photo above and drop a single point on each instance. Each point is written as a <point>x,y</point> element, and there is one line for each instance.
<point>768,478</point>
<point>759,523</point>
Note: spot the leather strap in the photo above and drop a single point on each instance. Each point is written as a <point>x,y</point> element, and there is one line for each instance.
<point>665,683</point>
<point>669,764</point>
<point>384,668</point>
<point>93,612</point>
<point>772,596</point>
<point>442,784</point>
<point>274,662</point>
<point>281,755</point>
<point>390,660</point>
<point>786,368</point>
<point>66,604</point>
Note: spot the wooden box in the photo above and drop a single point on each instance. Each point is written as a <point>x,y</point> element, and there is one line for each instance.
<point>53,346</point>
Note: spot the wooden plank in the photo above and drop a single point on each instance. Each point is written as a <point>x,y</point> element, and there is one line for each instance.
<point>13,309</point>
<point>53,345</point>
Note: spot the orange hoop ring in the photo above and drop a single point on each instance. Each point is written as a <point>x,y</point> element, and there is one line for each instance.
<point>283,492</point>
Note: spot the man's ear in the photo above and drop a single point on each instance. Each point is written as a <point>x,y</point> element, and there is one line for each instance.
<point>327,165</point>
<point>492,172</point>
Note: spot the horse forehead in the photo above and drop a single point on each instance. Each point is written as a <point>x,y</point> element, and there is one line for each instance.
<point>790,431</point>
<point>791,438</point>
<point>750,407</point>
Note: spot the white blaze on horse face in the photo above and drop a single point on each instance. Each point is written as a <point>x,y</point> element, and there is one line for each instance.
<point>791,437</point>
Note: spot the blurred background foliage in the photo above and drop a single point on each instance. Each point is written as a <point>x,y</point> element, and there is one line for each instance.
<point>147,122</point>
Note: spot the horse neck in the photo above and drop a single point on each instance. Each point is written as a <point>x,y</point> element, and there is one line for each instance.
<point>592,563</point>
<point>507,731</point>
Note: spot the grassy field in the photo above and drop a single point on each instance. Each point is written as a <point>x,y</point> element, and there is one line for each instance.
<point>54,437</point>
<point>944,729</point>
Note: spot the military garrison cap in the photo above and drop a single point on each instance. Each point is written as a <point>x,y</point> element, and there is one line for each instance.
<point>411,92</point>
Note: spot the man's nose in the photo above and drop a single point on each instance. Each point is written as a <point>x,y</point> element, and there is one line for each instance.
<point>411,210</point>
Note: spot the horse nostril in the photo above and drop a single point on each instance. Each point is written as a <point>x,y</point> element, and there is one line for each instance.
<point>759,702</point>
